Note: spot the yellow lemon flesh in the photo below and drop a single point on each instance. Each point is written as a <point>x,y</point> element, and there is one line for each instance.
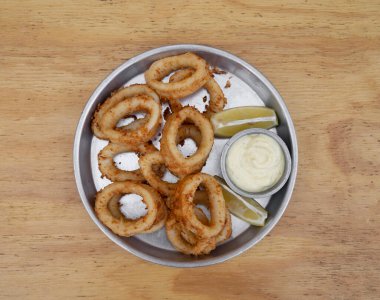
<point>244,208</point>
<point>230,121</point>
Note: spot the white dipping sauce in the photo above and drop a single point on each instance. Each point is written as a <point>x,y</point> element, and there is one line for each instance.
<point>255,162</point>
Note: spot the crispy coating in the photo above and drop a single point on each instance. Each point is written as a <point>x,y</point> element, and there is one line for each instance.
<point>173,232</point>
<point>126,107</point>
<point>174,160</point>
<point>161,218</point>
<point>108,168</point>
<point>176,90</point>
<point>146,163</point>
<point>228,84</point>
<point>151,159</point>
<point>115,98</point>
<point>121,225</point>
<point>223,235</point>
<point>187,235</point>
<point>184,205</point>
<point>114,208</point>
<point>187,227</point>
<point>226,232</point>
<point>216,70</point>
<point>217,99</point>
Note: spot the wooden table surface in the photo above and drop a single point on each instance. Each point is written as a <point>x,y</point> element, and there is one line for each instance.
<point>324,58</point>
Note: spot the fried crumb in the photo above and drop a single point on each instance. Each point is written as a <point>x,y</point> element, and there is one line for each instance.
<point>167,113</point>
<point>228,84</point>
<point>216,70</point>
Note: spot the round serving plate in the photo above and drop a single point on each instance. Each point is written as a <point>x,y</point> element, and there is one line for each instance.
<point>243,85</point>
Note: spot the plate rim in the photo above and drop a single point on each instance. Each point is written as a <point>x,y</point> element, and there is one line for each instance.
<point>212,260</point>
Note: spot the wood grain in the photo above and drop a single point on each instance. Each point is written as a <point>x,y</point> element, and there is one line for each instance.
<point>324,58</point>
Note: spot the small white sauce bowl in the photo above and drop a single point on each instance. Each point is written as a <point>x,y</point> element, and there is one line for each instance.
<point>280,183</point>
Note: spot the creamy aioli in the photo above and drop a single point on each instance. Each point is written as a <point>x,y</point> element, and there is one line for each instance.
<point>255,162</point>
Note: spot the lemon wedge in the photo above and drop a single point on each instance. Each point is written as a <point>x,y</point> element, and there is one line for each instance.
<point>230,121</point>
<point>244,208</point>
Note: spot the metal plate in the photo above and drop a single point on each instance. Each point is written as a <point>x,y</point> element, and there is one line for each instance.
<point>248,87</point>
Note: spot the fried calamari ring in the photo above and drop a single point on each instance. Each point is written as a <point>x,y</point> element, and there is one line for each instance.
<point>161,217</point>
<point>174,160</point>
<point>114,208</point>
<point>176,90</point>
<point>121,225</point>
<point>108,168</point>
<point>173,232</point>
<point>184,205</point>
<point>217,99</point>
<point>116,97</point>
<point>127,107</point>
<point>146,163</point>
<point>226,232</point>
<point>171,200</point>
<point>223,235</point>
<point>149,160</point>
<point>187,235</point>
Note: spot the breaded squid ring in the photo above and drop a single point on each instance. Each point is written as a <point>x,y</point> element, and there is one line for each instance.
<point>146,163</point>
<point>122,226</point>
<point>226,232</point>
<point>184,205</point>
<point>151,159</point>
<point>176,90</point>
<point>127,107</point>
<point>217,99</point>
<point>116,97</point>
<point>174,160</point>
<point>108,168</point>
<point>173,232</point>
<point>161,218</point>
<point>187,235</point>
<point>223,235</point>
<point>114,208</point>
